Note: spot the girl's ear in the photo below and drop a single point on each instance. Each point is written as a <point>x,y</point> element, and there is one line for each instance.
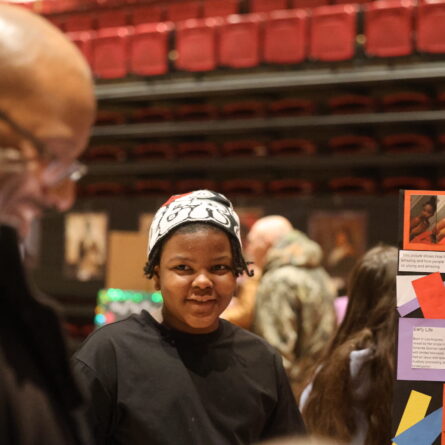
<point>156,278</point>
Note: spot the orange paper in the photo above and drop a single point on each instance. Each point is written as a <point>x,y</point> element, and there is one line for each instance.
<point>430,292</point>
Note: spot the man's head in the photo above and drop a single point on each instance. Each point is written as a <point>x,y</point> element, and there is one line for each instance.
<point>263,235</point>
<point>47,108</point>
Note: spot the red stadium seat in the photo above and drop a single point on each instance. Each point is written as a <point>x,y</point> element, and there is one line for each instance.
<point>406,101</point>
<point>291,186</point>
<point>152,114</point>
<point>351,103</point>
<point>140,15</point>
<point>220,8</point>
<point>196,112</point>
<point>152,187</point>
<point>83,40</point>
<point>58,21</point>
<point>239,41</point>
<point>352,185</point>
<point>285,147</point>
<point>389,28</point>
<point>78,22</point>
<point>105,153</point>
<point>352,144</point>
<point>396,183</point>
<point>148,49</point>
<point>242,187</point>
<point>243,109</point>
<point>333,33</point>
<point>176,12</point>
<point>407,143</point>
<point>196,44</point>
<point>267,5</point>
<point>102,189</point>
<point>309,3</point>
<point>285,37</point>
<point>110,52</point>
<point>112,18</point>
<point>109,117</point>
<point>187,185</point>
<point>196,149</point>
<point>244,147</point>
<point>291,107</point>
<point>154,150</point>
<point>430,29</point>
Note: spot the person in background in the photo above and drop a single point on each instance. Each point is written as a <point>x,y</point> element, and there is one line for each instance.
<point>47,108</point>
<point>294,308</point>
<point>350,397</point>
<point>183,375</point>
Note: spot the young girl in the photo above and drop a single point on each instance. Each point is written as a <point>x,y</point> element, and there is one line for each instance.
<point>184,376</point>
<point>351,394</point>
<point>420,224</point>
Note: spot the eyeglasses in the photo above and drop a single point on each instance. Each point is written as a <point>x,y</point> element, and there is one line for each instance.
<point>56,172</point>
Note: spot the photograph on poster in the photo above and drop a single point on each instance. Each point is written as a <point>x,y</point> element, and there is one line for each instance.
<point>343,237</point>
<point>421,349</point>
<point>85,245</point>
<point>424,220</point>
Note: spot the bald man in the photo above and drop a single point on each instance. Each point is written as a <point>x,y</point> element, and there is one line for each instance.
<point>47,108</point>
<point>294,300</point>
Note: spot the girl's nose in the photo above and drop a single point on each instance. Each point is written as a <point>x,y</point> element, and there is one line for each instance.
<point>202,281</point>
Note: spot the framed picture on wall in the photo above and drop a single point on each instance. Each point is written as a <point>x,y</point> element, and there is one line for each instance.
<point>85,246</point>
<point>343,237</point>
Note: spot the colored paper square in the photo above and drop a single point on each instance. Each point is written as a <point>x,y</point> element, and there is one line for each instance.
<point>430,293</point>
<point>424,432</point>
<point>415,410</point>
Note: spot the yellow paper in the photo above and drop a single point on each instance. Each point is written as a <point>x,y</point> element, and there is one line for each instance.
<point>415,410</point>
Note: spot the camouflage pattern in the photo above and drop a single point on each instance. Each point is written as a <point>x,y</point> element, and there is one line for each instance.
<point>295,304</point>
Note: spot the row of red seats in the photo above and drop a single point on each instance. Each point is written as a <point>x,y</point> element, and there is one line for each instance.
<point>345,144</point>
<point>286,186</point>
<point>341,104</point>
<point>392,28</point>
<point>176,10</point>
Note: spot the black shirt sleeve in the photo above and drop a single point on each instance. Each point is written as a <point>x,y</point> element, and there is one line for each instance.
<point>95,372</point>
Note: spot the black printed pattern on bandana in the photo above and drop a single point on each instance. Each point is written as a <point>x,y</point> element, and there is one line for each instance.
<point>198,206</point>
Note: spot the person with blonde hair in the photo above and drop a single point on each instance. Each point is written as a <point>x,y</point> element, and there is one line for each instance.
<point>350,397</point>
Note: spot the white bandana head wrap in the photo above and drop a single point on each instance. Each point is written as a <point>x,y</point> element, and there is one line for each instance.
<point>198,206</point>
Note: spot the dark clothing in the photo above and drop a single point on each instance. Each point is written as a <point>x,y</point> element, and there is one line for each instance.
<point>154,385</point>
<point>38,398</point>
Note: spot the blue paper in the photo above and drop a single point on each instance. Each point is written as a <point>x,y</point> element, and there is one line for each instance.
<point>424,432</point>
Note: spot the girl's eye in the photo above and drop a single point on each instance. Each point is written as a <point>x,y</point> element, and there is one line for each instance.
<point>182,267</point>
<point>221,268</point>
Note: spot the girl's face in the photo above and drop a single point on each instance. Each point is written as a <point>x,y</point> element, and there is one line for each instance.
<point>196,279</point>
<point>427,211</point>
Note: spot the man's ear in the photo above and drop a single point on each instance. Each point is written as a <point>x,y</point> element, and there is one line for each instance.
<point>156,278</point>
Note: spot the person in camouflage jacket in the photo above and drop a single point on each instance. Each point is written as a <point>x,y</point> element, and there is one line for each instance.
<point>294,308</point>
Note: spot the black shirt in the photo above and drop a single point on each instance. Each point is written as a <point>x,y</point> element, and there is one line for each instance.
<point>153,385</point>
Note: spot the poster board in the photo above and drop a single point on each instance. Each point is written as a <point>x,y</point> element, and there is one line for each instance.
<point>126,260</point>
<point>418,417</point>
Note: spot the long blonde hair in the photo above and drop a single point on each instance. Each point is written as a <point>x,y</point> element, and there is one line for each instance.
<point>369,322</point>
